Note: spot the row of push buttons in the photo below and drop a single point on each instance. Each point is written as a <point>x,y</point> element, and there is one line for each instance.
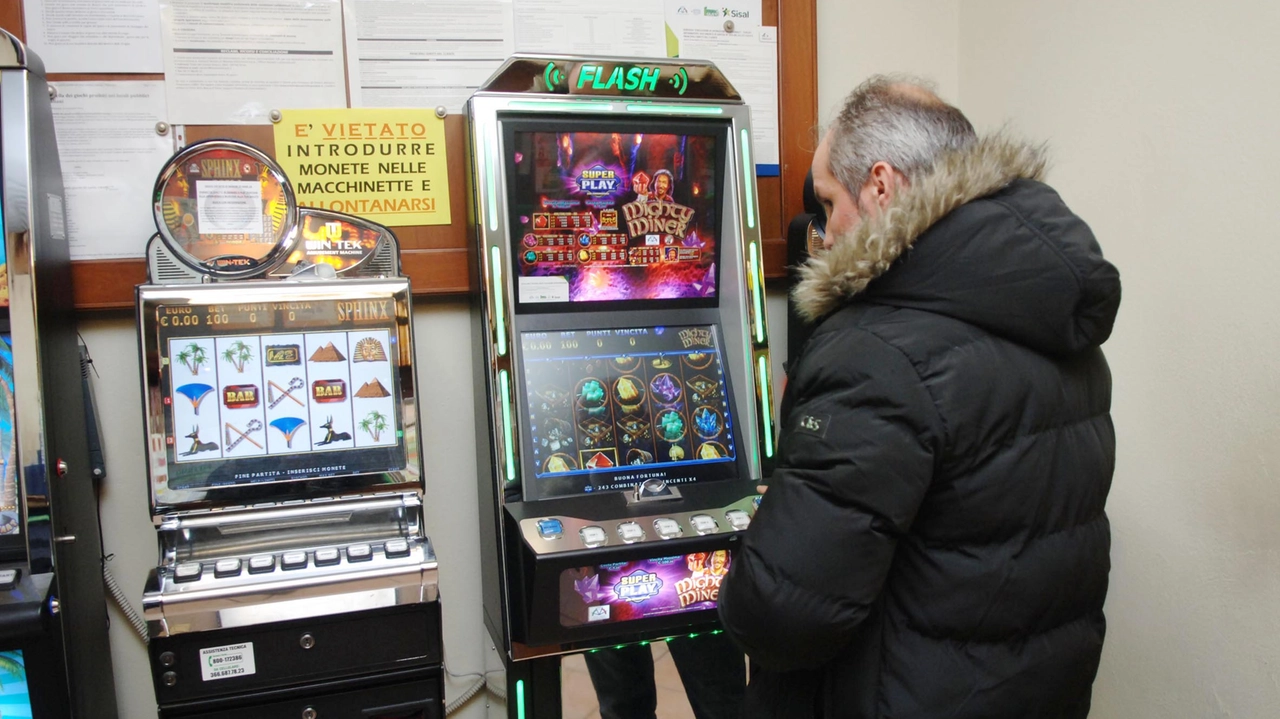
<point>632,532</point>
<point>263,563</point>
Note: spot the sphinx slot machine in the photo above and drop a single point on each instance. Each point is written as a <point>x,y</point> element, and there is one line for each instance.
<point>295,577</point>
<point>624,414</point>
<point>55,660</point>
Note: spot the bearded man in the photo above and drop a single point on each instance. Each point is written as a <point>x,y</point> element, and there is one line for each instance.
<point>933,542</point>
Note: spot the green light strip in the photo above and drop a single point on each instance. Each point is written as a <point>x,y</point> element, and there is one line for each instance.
<point>499,303</point>
<point>768,407</point>
<point>748,179</point>
<point>560,105</point>
<point>508,449</point>
<point>488,165</point>
<point>757,293</point>
<point>648,109</point>
<point>520,698</point>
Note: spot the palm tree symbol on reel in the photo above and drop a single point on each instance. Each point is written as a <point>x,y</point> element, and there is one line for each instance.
<point>193,356</point>
<point>373,424</point>
<point>238,354</point>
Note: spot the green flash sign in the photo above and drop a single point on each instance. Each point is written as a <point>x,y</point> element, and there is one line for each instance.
<point>631,79</point>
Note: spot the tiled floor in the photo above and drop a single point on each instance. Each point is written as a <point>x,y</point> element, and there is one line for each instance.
<point>579,697</point>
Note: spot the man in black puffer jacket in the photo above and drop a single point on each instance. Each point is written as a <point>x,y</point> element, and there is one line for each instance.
<point>933,542</point>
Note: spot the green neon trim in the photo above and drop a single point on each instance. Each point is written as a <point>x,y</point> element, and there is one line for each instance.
<point>668,639</point>
<point>768,408</point>
<point>648,109</point>
<point>508,449</point>
<point>487,164</point>
<point>520,698</point>
<point>749,179</point>
<point>499,304</point>
<point>644,644</point>
<point>691,636</point>
<point>718,631</point>
<point>756,293</point>
<point>560,105</point>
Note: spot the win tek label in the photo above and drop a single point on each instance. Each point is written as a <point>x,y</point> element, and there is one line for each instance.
<point>233,660</point>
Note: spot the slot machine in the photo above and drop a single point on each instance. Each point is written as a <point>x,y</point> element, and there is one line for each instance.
<point>624,418</point>
<point>55,660</point>
<point>295,575</point>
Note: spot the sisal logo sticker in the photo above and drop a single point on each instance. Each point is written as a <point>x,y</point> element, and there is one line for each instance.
<point>815,424</point>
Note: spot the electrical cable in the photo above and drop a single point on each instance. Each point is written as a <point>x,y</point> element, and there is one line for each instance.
<point>122,601</point>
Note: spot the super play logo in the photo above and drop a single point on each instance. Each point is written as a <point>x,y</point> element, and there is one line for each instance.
<point>597,181</point>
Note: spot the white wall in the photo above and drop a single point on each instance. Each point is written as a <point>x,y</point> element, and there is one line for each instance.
<point>1161,118</point>
<point>857,38</point>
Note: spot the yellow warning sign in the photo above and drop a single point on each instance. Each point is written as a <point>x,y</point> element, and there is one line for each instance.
<point>385,165</point>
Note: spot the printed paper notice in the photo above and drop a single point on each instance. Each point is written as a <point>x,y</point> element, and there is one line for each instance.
<point>749,59</point>
<point>233,660</point>
<point>110,155</point>
<point>228,207</point>
<point>632,28</point>
<point>234,61</point>
<point>386,165</point>
<point>95,36</point>
<point>424,53</point>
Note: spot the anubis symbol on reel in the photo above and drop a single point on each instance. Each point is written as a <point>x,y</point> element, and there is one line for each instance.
<point>197,445</point>
<point>330,437</point>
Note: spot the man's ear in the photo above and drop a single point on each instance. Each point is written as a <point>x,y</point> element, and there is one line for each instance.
<point>882,184</point>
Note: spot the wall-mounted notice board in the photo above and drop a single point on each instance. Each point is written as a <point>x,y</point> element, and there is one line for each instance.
<point>439,259</point>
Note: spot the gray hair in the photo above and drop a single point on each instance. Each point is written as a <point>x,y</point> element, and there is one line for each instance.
<point>898,120</point>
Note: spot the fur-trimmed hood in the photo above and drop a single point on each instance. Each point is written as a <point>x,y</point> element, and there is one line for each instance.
<point>990,245</point>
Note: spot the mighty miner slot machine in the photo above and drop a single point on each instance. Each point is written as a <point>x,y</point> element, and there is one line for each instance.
<point>624,414</point>
<point>285,465</point>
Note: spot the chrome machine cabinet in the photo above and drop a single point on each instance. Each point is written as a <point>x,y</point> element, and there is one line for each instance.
<point>53,613</point>
<point>295,575</point>
<point>625,409</point>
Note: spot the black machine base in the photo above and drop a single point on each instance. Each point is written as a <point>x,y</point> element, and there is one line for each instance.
<point>384,661</point>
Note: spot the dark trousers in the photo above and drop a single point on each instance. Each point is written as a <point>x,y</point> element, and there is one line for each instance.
<point>711,668</point>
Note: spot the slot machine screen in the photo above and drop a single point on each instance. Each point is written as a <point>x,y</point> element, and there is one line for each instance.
<point>15,695</point>
<point>612,408</point>
<point>266,392</point>
<point>628,212</point>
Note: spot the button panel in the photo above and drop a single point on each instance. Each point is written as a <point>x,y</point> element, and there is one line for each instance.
<point>550,528</point>
<point>704,524</point>
<point>396,548</point>
<point>227,568</point>
<point>667,528</point>
<point>594,536</point>
<point>187,572</point>
<point>293,560</point>
<point>630,532</point>
<point>738,519</point>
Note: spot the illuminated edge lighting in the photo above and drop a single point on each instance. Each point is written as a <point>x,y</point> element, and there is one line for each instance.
<point>487,165</point>
<point>499,305</point>
<point>560,105</point>
<point>748,176</point>
<point>520,698</point>
<point>756,293</point>
<point>676,109</point>
<point>508,450</point>
<point>768,408</point>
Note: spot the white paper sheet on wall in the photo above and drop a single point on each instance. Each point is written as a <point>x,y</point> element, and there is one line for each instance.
<point>683,15</point>
<point>630,28</point>
<point>424,53</point>
<point>110,155</point>
<point>749,59</point>
<point>95,36</point>
<point>233,61</point>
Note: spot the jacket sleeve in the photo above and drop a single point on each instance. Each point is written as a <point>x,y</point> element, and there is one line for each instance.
<point>858,449</point>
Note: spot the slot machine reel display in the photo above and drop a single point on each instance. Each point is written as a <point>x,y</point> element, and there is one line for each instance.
<point>285,469</point>
<point>55,660</point>
<point>626,397</point>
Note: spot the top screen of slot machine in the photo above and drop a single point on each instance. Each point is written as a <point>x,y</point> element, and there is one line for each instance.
<point>280,391</point>
<point>611,408</point>
<point>622,214</point>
